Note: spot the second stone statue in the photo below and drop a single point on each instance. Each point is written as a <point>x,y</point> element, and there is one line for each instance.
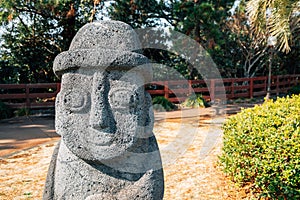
<point>105,119</point>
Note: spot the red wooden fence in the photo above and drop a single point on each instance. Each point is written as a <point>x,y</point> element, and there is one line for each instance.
<point>43,95</point>
<point>178,91</point>
<point>40,95</point>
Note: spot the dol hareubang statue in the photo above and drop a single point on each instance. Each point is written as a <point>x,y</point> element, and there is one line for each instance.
<point>104,115</point>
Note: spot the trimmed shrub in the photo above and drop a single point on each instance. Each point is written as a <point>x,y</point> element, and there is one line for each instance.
<point>294,90</point>
<point>262,148</point>
<point>195,101</point>
<point>162,104</point>
<point>5,111</point>
<point>22,112</point>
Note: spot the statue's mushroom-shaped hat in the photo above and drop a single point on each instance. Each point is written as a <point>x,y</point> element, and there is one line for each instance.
<point>107,45</point>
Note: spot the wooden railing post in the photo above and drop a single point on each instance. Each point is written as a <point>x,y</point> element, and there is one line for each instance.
<point>266,85</point>
<point>289,84</point>
<point>277,85</point>
<point>57,88</point>
<point>166,89</point>
<point>251,88</point>
<point>232,88</point>
<point>190,87</point>
<point>27,96</point>
<point>212,89</point>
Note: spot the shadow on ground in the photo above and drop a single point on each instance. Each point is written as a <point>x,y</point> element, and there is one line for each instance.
<point>25,132</point>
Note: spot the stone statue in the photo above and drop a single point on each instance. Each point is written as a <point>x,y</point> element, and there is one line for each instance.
<point>105,119</point>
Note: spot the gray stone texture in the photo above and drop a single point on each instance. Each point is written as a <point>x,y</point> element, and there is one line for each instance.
<point>105,119</point>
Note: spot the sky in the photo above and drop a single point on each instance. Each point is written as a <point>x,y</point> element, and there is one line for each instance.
<point>234,7</point>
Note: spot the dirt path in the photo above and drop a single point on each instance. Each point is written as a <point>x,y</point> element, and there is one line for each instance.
<point>190,146</point>
<point>194,175</point>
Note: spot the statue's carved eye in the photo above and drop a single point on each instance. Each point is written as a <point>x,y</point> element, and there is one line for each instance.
<point>75,100</point>
<point>123,99</point>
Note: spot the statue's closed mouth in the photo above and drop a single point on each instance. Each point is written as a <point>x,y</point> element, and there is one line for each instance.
<point>100,136</point>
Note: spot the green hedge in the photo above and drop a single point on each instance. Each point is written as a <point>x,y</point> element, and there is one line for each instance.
<point>262,148</point>
<point>160,103</point>
<point>5,111</point>
<point>295,90</point>
<point>195,101</point>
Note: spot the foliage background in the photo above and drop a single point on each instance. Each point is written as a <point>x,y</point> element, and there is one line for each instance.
<point>33,32</point>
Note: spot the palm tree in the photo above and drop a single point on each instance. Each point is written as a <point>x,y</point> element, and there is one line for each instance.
<point>274,20</point>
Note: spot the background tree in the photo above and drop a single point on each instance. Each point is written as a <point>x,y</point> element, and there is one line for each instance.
<point>152,13</point>
<point>35,32</point>
<point>252,50</point>
<point>202,21</point>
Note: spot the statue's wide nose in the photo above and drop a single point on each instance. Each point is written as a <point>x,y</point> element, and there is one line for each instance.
<point>101,116</point>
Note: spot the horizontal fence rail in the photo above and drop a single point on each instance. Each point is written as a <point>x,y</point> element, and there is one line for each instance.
<point>40,95</point>
<point>43,95</point>
<point>212,89</point>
